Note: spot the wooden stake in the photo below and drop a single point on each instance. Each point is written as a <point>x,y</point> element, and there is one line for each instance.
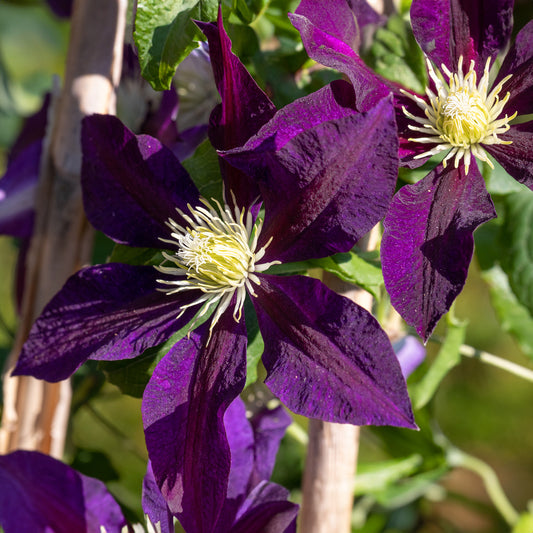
<point>331,460</point>
<point>36,412</point>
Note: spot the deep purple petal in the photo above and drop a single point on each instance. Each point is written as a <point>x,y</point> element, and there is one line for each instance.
<point>241,442</point>
<point>62,8</point>
<point>17,192</point>
<point>183,409</point>
<point>326,357</point>
<point>474,29</point>
<point>516,158</point>
<point>519,63</point>
<point>410,353</point>
<point>266,510</point>
<point>131,184</point>
<point>153,503</point>
<point>269,426</point>
<point>427,243</point>
<point>161,124</point>
<point>334,18</point>
<point>329,185</point>
<point>105,312</point>
<point>41,494</point>
<point>244,109</point>
<point>332,52</point>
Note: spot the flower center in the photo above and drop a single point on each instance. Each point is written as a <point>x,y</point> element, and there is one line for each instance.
<point>216,254</point>
<point>462,116</point>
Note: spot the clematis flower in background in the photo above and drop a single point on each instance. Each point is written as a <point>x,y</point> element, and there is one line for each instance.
<point>325,356</point>
<point>428,243</point>
<point>41,494</point>
<point>252,503</point>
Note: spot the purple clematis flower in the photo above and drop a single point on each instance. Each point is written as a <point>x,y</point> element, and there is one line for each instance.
<point>427,243</point>
<point>252,503</point>
<point>325,356</point>
<point>41,494</point>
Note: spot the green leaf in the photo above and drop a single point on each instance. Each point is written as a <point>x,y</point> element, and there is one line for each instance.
<point>373,477</point>
<point>396,55</point>
<point>446,359</point>
<point>514,318</point>
<point>518,235</point>
<point>255,343</point>
<point>204,170</point>
<point>524,524</point>
<point>165,35</point>
<point>498,180</point>
<point>135,256</point>
<point>354,268</point>
<point>132,375</point>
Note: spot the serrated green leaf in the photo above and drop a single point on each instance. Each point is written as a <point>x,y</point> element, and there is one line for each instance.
<point>204,170</point>
<point>132,375</point>
<point>518,236</point>
<point>353,268</point>
<point>514,318</point>
<point>373,477</point>
<point>135,256</point>
<point>447,358</point>
<point>165,34</point>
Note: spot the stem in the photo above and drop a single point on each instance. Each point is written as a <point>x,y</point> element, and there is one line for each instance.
<point>492,484</point>
<point>499,362</point>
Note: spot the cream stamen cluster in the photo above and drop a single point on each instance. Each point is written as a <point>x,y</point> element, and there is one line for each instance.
<point>216,255</point>
<point>462,116</point>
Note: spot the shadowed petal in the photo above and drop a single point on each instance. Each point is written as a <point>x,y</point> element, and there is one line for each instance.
<point>516,158</point>
<point>326,357</point>
<point>131,184</point>
<point>519,63</point>
<point>266,510</point>
<point>183,409</point>
<point>331,51</point>
<point>17,192</point>
<point>41,494</point>
<point>244,109</point>
<point>105,312</point>
<point>427,243</point>
<point>154,505</point>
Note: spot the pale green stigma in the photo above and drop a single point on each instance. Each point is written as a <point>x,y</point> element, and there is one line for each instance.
<point>216,255</point>
<point>461,117</point>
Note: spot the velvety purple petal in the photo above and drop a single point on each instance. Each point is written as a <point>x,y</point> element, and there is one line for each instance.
<point>188,141</point>
<point>131,184</point>
<point>17,192</point>
<point>269,426</point>
<point>475,29</point>
<point>41,494</point>
<point>153,503</point>
<point>329,185</point>
<point>516,158</point>
<point>332,52</point>
<point>427,243</point>
<point>161,124</point>
<point>333,17</point>
<point>244,109</point>
<point>326,357</point>
<point>410,353</point>
<point>241,442</point>
<point>519,63</point>
<point>266,510</point>
<point>183,409</point>
<point>105,312</point>
<point>365,16</point>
